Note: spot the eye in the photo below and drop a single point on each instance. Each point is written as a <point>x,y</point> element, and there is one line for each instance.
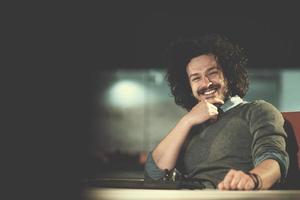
<point>213,73</point>
<point>195,79</point>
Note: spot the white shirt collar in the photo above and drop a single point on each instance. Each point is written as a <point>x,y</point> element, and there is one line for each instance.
<point>231,103</point>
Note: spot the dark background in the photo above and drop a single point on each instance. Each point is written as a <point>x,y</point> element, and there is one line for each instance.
<point>55,50</point>
<point>134,34</point>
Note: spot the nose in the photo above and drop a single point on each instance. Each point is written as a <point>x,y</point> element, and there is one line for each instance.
<point>206,82</point>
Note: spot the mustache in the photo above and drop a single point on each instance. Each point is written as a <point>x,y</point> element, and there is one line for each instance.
<point>211,87</point>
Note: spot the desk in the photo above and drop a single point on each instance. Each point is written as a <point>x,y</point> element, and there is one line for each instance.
<point>149,194</point>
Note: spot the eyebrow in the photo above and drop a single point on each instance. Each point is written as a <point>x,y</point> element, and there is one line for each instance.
<point>195,74</point>
<point>210,69</point>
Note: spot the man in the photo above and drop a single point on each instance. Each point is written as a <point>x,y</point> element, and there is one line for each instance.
<point>222,141</point>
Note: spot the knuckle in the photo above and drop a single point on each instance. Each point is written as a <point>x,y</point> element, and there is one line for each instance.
<point>233,185</point>
<point>221,186</point>
<point>225,184</point>
<point>248,186</point>
<point>240,186</point>
<point>249,179</point>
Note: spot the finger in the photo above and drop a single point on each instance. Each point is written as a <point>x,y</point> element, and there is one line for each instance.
<point>213,113</point>
<point>249,185</point>
<point>242,183</point>
<point>228,178</point>
<point>235,181</point>
<point>221,185</point>
<point>217,101</point>
<point>213,109</point>
<point>238,177</point>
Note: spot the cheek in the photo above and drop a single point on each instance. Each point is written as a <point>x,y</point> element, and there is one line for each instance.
<point>194,88</point>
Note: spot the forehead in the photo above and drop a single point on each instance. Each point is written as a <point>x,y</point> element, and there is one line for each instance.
<point>201,63</point>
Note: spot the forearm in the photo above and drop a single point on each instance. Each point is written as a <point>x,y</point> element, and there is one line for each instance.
<point>269,172</point>
<point>166,153</point>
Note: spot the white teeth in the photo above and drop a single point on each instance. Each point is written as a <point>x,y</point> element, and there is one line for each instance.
<point>209,92</point>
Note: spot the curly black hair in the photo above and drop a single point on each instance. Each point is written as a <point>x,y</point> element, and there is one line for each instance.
<point>230,58</point>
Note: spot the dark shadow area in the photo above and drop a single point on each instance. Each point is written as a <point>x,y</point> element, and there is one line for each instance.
<point>293,176</point>
<point>119,165</point>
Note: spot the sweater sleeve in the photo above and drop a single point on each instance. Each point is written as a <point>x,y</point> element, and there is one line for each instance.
<point>266,125</point>
<point>152,172</point>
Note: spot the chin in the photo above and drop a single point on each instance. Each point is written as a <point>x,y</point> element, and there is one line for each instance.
<point>211,99</point>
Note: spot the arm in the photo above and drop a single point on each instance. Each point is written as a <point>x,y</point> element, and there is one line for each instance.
<point>166,152</point>
<point>268,171</point>
<point>268,151</point>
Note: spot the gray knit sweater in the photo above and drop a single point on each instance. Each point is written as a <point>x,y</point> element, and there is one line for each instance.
<point>241,138</point>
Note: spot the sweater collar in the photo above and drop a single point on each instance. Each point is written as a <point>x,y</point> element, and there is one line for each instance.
<point>231,103</point>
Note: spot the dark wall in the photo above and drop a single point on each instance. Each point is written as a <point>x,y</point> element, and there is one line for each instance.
<point>134,34</point>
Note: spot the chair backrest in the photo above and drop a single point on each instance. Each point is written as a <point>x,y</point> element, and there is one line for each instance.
<point>292,128</point>
<point>294,119</point>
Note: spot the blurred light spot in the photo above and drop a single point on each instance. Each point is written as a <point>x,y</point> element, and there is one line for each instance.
<point>126,94</point>
<point>157,77</point>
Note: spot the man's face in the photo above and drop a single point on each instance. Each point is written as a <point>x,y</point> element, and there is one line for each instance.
<point>206,78</point>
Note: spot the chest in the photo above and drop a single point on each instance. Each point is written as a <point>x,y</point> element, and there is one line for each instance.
<point>227,139</point>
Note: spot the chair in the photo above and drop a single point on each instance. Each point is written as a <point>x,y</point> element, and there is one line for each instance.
<point>292,128</point>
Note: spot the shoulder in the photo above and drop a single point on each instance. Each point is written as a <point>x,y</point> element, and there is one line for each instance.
<point>259,109</point>
<point>262,106</point>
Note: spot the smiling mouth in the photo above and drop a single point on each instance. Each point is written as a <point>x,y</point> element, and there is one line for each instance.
<point>209,92</point>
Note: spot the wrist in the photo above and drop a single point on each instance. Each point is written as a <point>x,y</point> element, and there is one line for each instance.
<point>187,121</point>
<point>256,180</point>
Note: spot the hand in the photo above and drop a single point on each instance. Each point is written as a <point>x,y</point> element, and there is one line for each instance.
<point>236,180</point>
<point>203,111</point>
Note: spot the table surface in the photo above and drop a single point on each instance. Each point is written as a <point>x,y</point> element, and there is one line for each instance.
<point>185,194</point>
